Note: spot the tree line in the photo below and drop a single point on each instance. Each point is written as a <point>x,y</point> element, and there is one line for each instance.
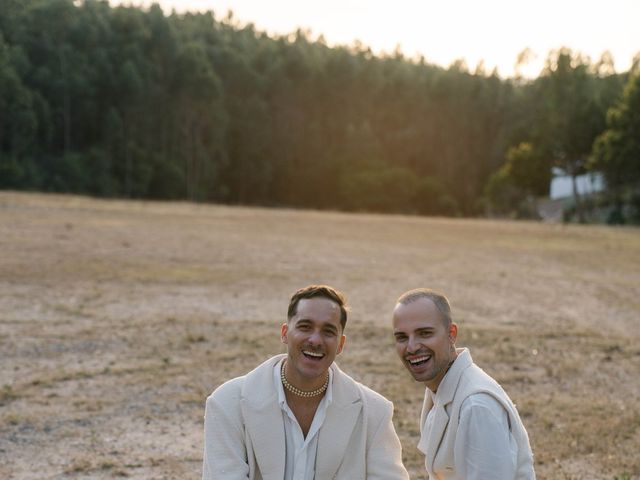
<point>130,102</point>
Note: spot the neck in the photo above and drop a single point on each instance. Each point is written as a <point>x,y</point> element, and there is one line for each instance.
<point>433,385</point>
<point>294,388</point>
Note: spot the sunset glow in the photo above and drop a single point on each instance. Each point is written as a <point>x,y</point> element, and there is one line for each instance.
<point>491,31</point>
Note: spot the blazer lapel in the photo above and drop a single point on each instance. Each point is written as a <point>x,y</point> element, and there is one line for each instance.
<point>434,436</point>
<point>263,420</point>
<point>342,417</point>
<point>264,426</point>
<point>446,392</point>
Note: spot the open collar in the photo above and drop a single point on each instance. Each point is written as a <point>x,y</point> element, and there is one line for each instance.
<point>443,397</point>
<point>263,421</point>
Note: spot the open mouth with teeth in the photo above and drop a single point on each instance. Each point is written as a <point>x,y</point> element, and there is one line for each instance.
<point>418,361</point>
<point>313,355</point>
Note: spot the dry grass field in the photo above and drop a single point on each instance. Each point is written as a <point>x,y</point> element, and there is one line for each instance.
<point>118,318</point>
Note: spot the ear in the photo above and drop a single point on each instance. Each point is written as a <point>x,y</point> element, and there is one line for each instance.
<point>453,333</point>
<point>341,344</point>
<point>283,333</point>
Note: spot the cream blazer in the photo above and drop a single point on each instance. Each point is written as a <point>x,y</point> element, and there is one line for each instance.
<point>463,379</point>
<point>244,432</point>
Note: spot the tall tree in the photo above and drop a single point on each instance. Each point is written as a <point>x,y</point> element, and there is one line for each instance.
<point>18,119</point>
<point>570,115</point>
<point>132,102</point>
<point>616,151</point>
<point>523,178</point>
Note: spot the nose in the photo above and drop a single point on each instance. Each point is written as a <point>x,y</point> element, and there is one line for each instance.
<point>413,345</point>
<point>315,338</point>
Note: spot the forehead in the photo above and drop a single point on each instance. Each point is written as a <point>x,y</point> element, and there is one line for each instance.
<point>317,309</point>
<point>421,313</point>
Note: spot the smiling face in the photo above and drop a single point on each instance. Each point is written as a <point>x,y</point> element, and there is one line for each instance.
<point>313,337</point>
<point>424,342</point>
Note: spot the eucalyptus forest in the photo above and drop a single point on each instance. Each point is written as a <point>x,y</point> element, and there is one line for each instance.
<point>133,102</point>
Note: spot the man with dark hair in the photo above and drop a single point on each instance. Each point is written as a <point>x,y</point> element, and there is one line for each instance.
<point>469,428</point>
<point>319,291</point>
<point>297,416</point>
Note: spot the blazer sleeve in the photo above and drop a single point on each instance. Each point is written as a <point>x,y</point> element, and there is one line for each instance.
<point>384,453</point>
<point>484,446</point>
<point>225,452</point>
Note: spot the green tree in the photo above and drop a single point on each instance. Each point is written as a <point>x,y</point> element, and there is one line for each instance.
<point>528,169</point>
<point>18,120</point>
<point>616,152</point>
<point>127,101</point>
<point>390,189</point>
<point>516,185</point>
<point>571,115</point>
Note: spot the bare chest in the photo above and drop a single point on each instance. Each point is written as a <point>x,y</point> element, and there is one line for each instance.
<point>304,412</point>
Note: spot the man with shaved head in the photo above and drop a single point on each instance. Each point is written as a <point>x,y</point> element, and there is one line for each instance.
<point>469,428</point>
<point>297,416</point>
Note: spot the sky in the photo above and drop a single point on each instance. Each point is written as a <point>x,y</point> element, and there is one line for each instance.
<point>491,31</point>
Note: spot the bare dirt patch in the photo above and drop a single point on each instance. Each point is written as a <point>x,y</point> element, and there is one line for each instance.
<point>118,318</point>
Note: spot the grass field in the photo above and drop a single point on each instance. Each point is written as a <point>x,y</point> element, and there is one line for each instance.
<point>118,318</point>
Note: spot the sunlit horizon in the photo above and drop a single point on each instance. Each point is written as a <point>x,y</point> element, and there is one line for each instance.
<point>491,33</point>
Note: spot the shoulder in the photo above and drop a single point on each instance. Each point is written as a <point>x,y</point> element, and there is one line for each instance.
<point>483,416</point>
<point>479,391</point>
<point>229,391</point>
<point>482,401</point>
<point>474,379</point>
<point>260,378</point>
<point>373,398</point>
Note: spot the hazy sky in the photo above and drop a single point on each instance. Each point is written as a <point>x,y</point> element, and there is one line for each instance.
<point>491,30</point>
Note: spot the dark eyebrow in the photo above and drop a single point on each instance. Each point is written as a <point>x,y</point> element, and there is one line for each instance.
<point>327,326</point>
<point>425,329</point>
<point>417,330</point>
<point>330,326</point>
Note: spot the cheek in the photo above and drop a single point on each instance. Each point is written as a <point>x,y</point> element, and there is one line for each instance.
<point>336,344</point>
<point>444,346</point>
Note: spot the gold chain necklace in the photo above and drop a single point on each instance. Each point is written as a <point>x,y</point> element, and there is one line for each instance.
<point>302,393</point>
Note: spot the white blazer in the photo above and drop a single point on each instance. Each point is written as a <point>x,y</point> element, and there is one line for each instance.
<point>244,431</point>
<point>463,379</point>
